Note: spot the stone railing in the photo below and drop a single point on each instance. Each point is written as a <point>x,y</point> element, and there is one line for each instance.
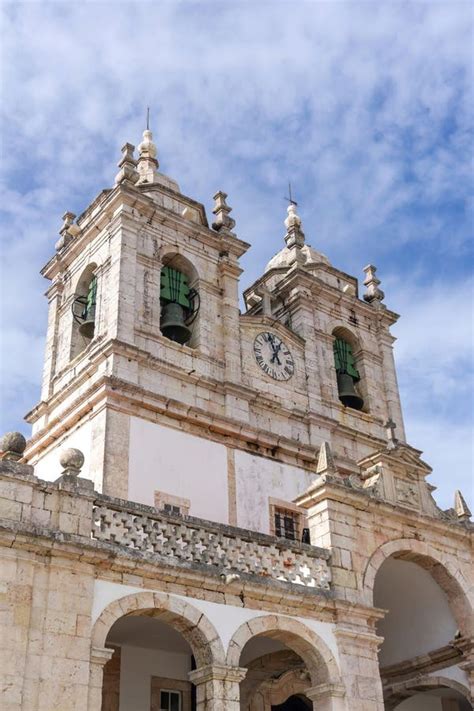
<point>224,549</point>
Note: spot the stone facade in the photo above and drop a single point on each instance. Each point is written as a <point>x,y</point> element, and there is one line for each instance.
<point>111,604</point>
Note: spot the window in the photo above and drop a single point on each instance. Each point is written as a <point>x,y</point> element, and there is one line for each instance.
<point>286,520</point>
<point>170,700</point>
<point>286,524</point>
<point>170,509</point>
<point>172,505</point>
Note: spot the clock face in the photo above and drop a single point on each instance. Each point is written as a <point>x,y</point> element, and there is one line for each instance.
<point>273,356</point>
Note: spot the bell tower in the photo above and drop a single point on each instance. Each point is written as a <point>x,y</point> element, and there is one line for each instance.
<point>143,317</point>
<point>177,399</point>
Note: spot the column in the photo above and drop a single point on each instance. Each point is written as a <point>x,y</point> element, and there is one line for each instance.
<point>99,658</point>
<point>360,668</point>
<point>327,697</point>
<point>217,687</point>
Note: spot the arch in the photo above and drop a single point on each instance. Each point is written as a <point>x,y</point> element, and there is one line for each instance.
<point>317,656</point>
<point>197,630</point>
<point>402,691</point>
<point>449,577</point>
<point>341,331</point>
<point>80,340</point>
<point>175,260</point>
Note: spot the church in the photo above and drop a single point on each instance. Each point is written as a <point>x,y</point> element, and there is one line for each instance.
<point>218,509</point>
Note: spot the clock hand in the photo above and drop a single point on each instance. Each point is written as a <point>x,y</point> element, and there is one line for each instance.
<point>276,350</point>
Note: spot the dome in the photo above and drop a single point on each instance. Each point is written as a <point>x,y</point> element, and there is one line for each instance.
<point>284,258</point>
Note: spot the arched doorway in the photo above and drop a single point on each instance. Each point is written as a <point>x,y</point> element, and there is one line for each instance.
<point>424,630</point>
<point>144,649</point>
<point>287,664</point>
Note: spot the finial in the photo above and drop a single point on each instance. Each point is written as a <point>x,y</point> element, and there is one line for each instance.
<point>373,293</point>
<point>72,460</point>
<point>221,211</point>
<point>12,446</point>
<point>147,155</point>
<point>390,428</point>
<point>326,463</point>
<point>294,237</point>
<point>461,508</point>
<point>127,165</point>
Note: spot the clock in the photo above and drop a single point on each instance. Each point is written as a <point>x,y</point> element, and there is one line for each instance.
<point>273,356</point>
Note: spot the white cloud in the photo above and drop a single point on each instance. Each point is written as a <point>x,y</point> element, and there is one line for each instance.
<point>366,107</point>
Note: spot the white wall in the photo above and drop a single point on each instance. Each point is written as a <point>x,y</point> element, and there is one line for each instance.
<point>420,702</point>
<point>178,463</point>
<point>138,665</point>
<point>257,479</point>
<point>49,468</point>
<point>419,618</point>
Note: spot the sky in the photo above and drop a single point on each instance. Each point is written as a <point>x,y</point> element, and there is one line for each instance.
<point>365,106</point>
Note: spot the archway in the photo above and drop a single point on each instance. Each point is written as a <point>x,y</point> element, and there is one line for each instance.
<point>427,621</point>
<point>286,662</point>
<point>432,693</point>
<point>146,645</point>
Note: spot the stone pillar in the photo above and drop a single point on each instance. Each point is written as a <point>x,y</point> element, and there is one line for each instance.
<point>217,687</point>
<point>360,668</point>
<point>327,697</point>
<point>394,409</point>
<point>54,294</point>
<point>99,658</point>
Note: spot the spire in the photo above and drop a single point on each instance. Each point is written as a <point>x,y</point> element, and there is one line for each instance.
<point>460,507</point>
<point>373,293</point>
<point>221,211</point>
<point>147,155</point>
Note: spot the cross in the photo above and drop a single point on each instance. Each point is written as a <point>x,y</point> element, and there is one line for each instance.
<point>290,199</point>
<point>390,428</point>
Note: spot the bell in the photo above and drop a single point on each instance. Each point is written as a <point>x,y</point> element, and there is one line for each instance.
<point>86,328</point>
<point>347,392</point>
<point>172,323</point>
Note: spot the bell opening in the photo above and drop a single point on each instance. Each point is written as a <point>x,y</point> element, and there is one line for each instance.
<point>347,392</point>
<point>173,324</point>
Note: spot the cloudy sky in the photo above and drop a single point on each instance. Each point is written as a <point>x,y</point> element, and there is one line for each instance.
<point>365,106</point>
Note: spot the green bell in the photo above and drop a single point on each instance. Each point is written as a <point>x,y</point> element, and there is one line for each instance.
<point>173,325</point>
<point>347,392</point>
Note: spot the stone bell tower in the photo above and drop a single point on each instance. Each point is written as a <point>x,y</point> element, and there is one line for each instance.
<point>143,315</point>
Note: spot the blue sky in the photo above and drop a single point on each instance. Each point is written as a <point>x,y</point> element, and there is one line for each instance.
<point>365,106</point>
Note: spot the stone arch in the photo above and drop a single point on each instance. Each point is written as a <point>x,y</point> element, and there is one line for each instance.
<point>319,659</point>
<point>79,342</point>
<point>174,257</point>
<point>197,630</point>
<point>341,331</point>
<point>402,691</point>
<point>449,577</point>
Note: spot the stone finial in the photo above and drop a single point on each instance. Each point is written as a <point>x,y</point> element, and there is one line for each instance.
<point>461,508</point>
<point>390,428</point>
<point>147,158</point>
<point>294,234</point>
<point>371,282</point>
<point>68,230</point>
<point>72,460</point>
<point>221,211</point>
<point>127,165</point>
<point>12,446</point>
<point>326,463</point>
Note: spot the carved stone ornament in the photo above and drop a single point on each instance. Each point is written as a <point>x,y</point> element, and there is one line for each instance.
<point>407,493</point>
